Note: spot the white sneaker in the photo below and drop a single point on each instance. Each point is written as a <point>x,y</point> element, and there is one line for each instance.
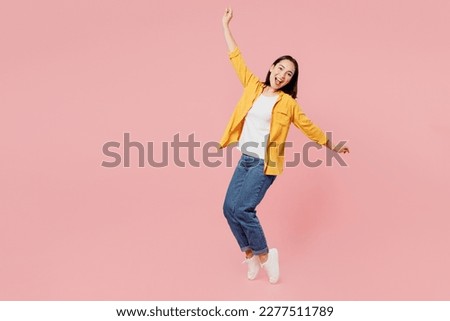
<point>254,265</point>
<point>272,267</point>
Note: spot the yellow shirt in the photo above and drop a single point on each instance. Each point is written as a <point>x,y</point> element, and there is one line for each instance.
<point>285,112</point>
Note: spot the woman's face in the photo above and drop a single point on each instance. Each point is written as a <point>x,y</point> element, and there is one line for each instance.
<point>281,74</point>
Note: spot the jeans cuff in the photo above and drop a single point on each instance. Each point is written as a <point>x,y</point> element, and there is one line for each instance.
<point>263,251</point>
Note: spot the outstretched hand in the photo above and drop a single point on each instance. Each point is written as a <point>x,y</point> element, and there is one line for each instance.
<point>339,148</point>
<point>344,150</point>
<point>227,16</point>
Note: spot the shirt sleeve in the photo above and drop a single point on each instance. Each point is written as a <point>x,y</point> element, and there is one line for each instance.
<point>245,75</point>
<point>312,131</point>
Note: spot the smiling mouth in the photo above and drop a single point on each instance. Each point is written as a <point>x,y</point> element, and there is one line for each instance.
<point>277,82</point>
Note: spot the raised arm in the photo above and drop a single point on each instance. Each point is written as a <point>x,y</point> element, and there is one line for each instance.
<point>231,43</point>
<point>245,75</point>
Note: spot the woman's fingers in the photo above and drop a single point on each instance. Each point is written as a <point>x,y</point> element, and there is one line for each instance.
<point>227,16</point>
<point>228,13</point>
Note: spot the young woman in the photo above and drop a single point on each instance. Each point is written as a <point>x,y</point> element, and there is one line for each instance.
<point>260,123</point>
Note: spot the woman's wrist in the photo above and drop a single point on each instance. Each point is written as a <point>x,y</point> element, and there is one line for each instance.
<point>329,145</point>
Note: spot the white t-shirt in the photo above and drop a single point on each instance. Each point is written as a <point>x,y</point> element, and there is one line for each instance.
<point>253,139</point>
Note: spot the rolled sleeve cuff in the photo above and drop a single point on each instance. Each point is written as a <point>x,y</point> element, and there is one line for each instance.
<point>322,140</point>
<point>236,52</point>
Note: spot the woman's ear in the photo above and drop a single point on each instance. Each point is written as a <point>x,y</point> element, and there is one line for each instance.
<point>271,68</point>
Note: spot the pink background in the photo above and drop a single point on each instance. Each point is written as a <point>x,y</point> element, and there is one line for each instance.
<point>77,74</point>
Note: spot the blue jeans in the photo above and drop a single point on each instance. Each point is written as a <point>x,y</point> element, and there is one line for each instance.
<point>246,190</point>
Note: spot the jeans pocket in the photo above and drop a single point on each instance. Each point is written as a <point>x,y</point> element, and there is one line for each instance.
<point>248,161</point>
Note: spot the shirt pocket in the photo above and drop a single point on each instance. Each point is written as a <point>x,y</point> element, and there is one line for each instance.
<point>282,118</point>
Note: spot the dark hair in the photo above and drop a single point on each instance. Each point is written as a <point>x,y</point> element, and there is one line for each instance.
<point>291,87</point>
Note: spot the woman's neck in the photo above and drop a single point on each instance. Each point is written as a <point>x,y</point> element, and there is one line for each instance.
<point>269,91</point>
